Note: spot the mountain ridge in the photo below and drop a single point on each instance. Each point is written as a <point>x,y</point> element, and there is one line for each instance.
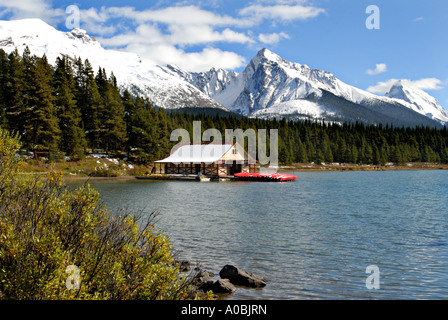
<point>133,73</point>
<point>271,86</point>
<point>268,87</point>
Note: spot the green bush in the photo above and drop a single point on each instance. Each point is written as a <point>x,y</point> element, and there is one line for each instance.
<point>48,232</point>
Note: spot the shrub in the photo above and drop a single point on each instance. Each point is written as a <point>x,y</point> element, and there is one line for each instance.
<point>47,231</point>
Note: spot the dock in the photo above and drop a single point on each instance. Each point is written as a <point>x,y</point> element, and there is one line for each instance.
<point>243,176</point>
<point>267,177</point>
<point>185,177</point>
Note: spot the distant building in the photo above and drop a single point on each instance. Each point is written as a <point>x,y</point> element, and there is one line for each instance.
<point>207,159</point>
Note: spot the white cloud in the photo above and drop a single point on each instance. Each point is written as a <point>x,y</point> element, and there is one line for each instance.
<point>423,84</point>
<point>272,38</point>
<point>203,34</point>
<point>380,68</point>
<point>428,84</point>
<point>418,19</point>
<point>178,15</point>
<point>190,61</point>
<point>165,34</point>
<point>280,12</point>
<point>161,35</point>
<point>30,9</point>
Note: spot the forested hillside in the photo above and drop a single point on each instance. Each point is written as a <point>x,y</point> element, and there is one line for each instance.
<point>70,109</point>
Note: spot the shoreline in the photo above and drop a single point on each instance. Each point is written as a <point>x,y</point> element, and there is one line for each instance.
<point>296,167</point>
<point>306,167</point>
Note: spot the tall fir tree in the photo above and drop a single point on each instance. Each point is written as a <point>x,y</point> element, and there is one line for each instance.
<point>41,127</point>
<point>13,92</point>
<point>73,141</point>
<point>89,102</point>
<point>113,125</point>
<point>4,75</point>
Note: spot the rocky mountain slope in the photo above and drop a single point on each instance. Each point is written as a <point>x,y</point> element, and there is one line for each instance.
<point>272,87</point>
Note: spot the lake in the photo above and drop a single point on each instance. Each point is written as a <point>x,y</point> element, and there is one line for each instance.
<point>312,238</point>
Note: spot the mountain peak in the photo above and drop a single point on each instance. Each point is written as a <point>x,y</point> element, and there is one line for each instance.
<point>405,90</point>
<point>399,83</point>
<point>81,34</point>
<point>268,55</point>
<point>418,100</point>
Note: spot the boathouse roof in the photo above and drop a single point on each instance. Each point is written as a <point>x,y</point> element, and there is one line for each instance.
<point>206,153</point>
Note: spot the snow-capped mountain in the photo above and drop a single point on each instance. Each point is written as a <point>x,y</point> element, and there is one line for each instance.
<point>272,87</point>
<point>268,87</point>
<point>418,100</point>
<point>138,76</point>
<point>210,82</point>
<point>269,80</point>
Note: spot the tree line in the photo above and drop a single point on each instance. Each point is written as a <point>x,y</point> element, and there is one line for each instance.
<point>68,109</point>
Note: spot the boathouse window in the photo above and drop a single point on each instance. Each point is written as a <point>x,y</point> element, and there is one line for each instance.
<point>234,151</point>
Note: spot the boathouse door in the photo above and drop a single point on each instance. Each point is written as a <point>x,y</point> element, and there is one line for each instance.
<point>198,168</point>
<point>235,168</point>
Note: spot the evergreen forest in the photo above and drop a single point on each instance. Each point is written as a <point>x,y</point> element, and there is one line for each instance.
<point>69,109</point>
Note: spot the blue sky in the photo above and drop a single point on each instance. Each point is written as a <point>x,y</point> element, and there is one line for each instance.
<point>411,42</point>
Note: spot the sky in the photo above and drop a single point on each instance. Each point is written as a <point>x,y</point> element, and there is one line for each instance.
<point>364,46</point>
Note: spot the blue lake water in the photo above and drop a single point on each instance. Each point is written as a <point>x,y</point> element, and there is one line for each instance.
<point>312,238</point>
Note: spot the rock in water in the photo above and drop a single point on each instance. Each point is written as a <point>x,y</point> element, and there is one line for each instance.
<point>240,277</point>
<point>223,286</point>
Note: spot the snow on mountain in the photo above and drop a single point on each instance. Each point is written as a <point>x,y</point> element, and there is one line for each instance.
<point>138,76</point>
<point>268,87</point>
<point>209,82</point>
<point>269,80</point>
<point>299,109</point>
<point>418,100</point>
<point>272,87</point>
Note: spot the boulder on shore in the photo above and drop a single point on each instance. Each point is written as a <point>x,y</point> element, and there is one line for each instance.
<point>200,284</point>
<point>223,286</point>
<point>202,281</point>
<point>240,277</point>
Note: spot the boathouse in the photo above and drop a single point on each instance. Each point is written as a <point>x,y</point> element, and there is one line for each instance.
<point>212,160</point>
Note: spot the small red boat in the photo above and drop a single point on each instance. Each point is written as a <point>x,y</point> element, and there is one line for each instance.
<point>279,177</point>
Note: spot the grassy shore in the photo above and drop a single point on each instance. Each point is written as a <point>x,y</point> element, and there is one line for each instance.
<point>88,167</point>
<point>115,168</point>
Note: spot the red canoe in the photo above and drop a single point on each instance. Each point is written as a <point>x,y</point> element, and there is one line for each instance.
<point>244,176</point>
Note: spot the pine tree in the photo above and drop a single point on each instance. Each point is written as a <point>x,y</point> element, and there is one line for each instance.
<point>4,75</point>
<point>376,155</point>
<point>301,155</point>
<point>42,133</point>
<point>89,102</point>
<point>13,92</point>
<point>113,125</point>
<point>341,147</point>
<point>163,134</point>
<point>140,127</point>
<point>326,148</point>
<point>444,155</point>
<point>73,141</point>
